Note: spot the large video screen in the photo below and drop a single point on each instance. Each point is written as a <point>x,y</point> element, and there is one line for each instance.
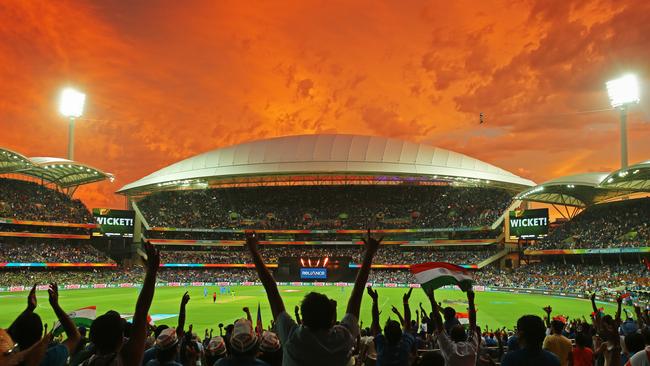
<point>114,223</point>
<point>313,273</point>
<point>528,224</point>
<point>314,269</point>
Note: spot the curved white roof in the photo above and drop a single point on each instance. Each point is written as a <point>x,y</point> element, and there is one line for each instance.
<point>635,177</point>
<point>62,172</point>
<point>329,154</point>
<point>580,190</point>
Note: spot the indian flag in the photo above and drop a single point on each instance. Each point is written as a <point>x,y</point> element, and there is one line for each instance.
<point>433,275</point>
<point>81,318</point>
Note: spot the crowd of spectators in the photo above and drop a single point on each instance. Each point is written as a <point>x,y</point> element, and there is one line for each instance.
<point>387,254</point>
<point>311,334</point>
<point>52,251</point>
<point>24,200</point>
<point>577,278</point>
<point>608,225</point>
<point>314,207</point>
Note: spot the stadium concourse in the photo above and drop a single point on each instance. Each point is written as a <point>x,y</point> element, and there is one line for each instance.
<point>310,200</point>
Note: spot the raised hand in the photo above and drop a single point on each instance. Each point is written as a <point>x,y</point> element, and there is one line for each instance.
<point>371,244</point>
<point>252,242</point>
<point>31,299</point>
<point>548,309</point>
<point>185,299</point>
<point>593,296</point>
<point>246,309</point>
<point>373,293</point>
<point>407,295</point>
<point>470,295</point>
<point>53,292</point>
<point>152,262</point>
<point>619,300</point>
<point>394,310</point>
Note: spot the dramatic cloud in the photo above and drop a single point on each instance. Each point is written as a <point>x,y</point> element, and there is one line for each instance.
<point>166,79</point>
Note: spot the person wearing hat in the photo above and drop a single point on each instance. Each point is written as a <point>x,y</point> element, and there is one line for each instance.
<point>215,350</point>
<point>244,345</point>
<point>270,349</point>
<point>166,349</point>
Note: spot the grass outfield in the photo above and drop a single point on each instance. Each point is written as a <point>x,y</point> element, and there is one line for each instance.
<point>494,309</point>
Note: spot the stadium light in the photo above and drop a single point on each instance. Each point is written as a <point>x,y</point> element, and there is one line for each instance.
<point>71,106</point>
<point>623,92</point>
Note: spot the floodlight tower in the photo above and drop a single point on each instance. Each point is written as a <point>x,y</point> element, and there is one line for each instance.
<point>71,105</point>
<point>623,92</point>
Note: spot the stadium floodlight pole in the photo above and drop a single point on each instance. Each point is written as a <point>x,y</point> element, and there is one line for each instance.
<point>623,92</point>
<point>71,105</point>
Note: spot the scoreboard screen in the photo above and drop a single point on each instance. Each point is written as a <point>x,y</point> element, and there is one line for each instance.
<point>313,273</point>
<point>114,223</point>
<point>317,269</point>
<point>528,224</point>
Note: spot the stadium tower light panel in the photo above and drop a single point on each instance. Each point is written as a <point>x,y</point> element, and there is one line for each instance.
<point>623,92</point>
<point>71,104</point>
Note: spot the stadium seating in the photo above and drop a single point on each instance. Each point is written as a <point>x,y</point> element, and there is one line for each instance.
<point>386,255</point>
<point>608,225</point>
<point>25,200</point>
<point>52,251</point>
<point>350,207</point>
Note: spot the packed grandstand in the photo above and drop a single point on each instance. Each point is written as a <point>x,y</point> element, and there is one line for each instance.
<point>315,197</point>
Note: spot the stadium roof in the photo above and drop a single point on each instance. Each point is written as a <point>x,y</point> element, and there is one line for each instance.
<point>635,178</point>
<point>327,154</point>
<point>62,172</point>
<point>586,189</point>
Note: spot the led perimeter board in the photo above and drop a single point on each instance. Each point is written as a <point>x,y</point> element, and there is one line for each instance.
<point>114,223</point>
<point>528,224</point>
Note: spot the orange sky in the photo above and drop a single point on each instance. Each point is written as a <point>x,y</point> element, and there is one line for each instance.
<point>169,79</point>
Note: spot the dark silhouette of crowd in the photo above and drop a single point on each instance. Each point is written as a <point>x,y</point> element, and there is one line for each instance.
<point>608,225</point>
<point>24,200</point>
<point>314,207</point>
<point>314,334</point>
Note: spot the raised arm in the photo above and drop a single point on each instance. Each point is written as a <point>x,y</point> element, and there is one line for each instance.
<point>247,311</point>
<point>31,306</point>
<point>374,326</point>
<point>71,331</point>
<point>472,311</point>
<point>134,347</point>
<point>272,293</point>
<point>399,316</point>
<point>547,319</point>
<point>296,311</point>
<point>619,302</point>
<point>437,319</point>
<point>407,309</point>
<point>181,315</point>
<point>596,317</point>
<point>354,304</point>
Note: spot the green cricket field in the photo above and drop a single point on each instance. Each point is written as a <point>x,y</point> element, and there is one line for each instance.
<point>495,309</point>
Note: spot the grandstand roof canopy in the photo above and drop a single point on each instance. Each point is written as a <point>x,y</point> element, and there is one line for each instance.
<point>62,172</point>
<point>328,155</point>
<point>635,178</point>
<point>586,189</point>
